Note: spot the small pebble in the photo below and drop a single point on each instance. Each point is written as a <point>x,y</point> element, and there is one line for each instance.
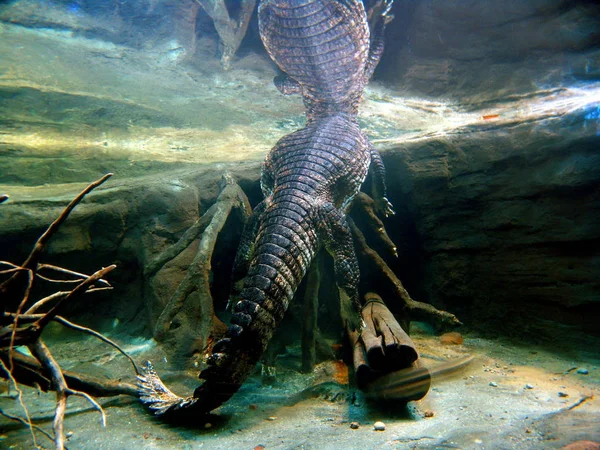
<point>208,425</point>
<point>529,386</point>
<point>354,425</point>
<point>271,418</point>
<point>428,413</point>
<point>583,371</point>
<point>379,426</point>
<point>563,394</point>
<point>493,384</point>
<point>253,407</point>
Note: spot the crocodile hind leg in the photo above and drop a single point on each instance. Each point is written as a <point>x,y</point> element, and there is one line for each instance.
<point>335,234</point>
<point>287,85</point>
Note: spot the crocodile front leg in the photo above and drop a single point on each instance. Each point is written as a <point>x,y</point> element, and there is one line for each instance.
<point>378,186</point>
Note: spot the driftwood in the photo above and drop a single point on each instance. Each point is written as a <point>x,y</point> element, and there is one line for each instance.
<point>25,328</point>
<point>382,347</point>
<point>231,26</point>
<point>386,363</point>
<point>387,344</point>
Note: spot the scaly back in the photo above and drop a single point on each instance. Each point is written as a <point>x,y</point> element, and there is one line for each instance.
<point>323,45</point>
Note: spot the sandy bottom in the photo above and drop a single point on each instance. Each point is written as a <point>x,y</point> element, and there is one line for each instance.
<point>509,396</point>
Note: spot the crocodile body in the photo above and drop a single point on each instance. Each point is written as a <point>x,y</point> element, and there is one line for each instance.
<point>308,180</point>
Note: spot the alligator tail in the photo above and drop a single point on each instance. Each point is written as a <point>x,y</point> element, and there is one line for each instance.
<point>282,256</point>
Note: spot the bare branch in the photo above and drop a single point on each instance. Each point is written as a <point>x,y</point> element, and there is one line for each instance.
<point>30,425</point>
<point>94,403</point>
<point>415,309</point>
<point>103,338</point>
<point>78,291</point>
<point>27,420</point>
<point>33,258</point>
<point>65,271</point>
<point>10,288</point>
<point>16,320</point>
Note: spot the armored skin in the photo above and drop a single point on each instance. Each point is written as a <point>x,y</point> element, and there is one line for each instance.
<point>308,180</point>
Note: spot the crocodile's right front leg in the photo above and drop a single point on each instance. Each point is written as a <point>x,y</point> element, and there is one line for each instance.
<point>379,188</point>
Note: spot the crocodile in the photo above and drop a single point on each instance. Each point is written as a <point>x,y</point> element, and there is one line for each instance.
<point>327,54</point>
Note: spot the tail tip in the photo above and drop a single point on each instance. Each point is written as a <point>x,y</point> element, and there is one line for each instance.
<point>155,395</point>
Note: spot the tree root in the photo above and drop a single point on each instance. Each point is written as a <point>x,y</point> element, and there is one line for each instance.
<point>231,28</point>
<point>411,309</point>
<point>191,305</point>
<point>43,370</point>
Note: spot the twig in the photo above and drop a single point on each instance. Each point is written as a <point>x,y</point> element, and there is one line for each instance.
<point>66,271</point>
<point>9,264</point>
<point>10,288</point>
<point>42,353</point>
<point>20,397</point>
<point>33,258</point>
<point>37,305</point>
<point>79,290</point>
<point>27,422</point>
<point>29,425</point>
<point>15,322</point>
<point>579,402</point>
<point>32,332</point>
<point>58,295</point>
<point>83,329</point>
<point>103,338</point>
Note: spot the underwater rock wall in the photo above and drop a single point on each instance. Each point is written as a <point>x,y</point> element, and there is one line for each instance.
<point>508,221</point>
<point>126,222</point>
<point>479,50</point>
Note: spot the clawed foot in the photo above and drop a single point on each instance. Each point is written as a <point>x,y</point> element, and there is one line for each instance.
<point>383,207</point>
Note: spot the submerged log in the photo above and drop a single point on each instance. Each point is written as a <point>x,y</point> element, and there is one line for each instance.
<point>386,362</point>
<point>387,344</point>
<point>363,373</point>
